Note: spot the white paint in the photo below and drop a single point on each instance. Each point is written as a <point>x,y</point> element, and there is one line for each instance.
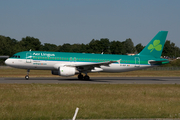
<point>75,114</point>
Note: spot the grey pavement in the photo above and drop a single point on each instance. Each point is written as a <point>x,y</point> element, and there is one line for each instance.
<point>94,80</point>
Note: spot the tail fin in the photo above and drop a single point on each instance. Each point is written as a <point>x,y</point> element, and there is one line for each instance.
<point>155,46</point>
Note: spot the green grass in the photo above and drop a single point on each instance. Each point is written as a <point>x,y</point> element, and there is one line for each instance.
<point>96,101</point>
<point>102,101</point>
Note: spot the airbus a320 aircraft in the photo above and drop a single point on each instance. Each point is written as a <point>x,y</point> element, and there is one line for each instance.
<point>69,64</point>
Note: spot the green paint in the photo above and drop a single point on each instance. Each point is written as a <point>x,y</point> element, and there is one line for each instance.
<point>156,45</point>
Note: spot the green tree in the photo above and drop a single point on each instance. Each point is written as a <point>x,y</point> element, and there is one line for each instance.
<point>129,46</point>
<point>177,51</point>
<point>65,48</point>
<point>105,45</point>
<point>116,47</point>
<point>8,46</point>
<point>94,47</point>
<point>49,47</point>
<point>139,47</point>
<point>99,46</point>
<point>30,43</point>
<point>84,48</point>
<point>77,48</point>
<point>169,49</point>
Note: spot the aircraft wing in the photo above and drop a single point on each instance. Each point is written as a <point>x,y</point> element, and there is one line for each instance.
<point>93,64</point>
<point>90,66</point>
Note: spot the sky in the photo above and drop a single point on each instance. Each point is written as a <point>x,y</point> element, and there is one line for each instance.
<point>79,21</point>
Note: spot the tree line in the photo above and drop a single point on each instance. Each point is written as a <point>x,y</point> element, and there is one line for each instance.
<point>9,46</point>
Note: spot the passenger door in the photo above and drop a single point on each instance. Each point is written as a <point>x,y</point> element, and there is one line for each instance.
<point>137,62</point>
<point>28,57</point>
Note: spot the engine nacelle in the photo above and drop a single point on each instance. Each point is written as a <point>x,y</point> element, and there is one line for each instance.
<point>67,71</point>
<point>64,71</point>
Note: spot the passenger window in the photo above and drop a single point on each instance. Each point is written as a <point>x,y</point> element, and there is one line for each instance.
<point>18,56</point>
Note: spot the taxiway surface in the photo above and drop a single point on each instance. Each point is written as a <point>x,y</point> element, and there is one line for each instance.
<point>94,80</point>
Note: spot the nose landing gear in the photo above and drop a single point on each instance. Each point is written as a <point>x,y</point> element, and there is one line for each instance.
<point>27,76</point>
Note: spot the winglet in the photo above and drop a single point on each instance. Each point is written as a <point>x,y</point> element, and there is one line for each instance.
<point>156,45</point>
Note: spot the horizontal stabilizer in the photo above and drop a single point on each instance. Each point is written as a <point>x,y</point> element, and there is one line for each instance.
<point>158,61</point>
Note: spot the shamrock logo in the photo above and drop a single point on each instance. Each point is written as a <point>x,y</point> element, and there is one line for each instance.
<point>156,45</point>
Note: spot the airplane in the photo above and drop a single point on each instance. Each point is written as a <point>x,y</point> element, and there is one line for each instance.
<point>68,64</point>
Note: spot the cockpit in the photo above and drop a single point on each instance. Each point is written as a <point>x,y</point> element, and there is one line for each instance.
<point>16,56</point>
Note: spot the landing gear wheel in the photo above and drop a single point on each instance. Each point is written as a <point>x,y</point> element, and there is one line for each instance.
<point>27,77</point>
<point>80,76</point>
<point>86,77</point>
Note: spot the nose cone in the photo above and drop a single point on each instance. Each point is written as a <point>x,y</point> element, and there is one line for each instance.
<point>7,62</point>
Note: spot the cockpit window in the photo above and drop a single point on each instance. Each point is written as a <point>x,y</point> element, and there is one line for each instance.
<point>16,56</point>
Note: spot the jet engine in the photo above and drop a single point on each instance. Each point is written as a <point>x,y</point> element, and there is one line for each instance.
<point>64,71</point>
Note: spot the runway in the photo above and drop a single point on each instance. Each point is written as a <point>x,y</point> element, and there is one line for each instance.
<point>94,80</point>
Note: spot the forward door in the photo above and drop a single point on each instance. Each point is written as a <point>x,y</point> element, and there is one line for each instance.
<point>28,57</point>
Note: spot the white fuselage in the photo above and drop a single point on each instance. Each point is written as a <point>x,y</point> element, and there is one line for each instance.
<point>53,65</point>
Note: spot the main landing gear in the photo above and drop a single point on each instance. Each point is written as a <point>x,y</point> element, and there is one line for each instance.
<point>81,77</point>
<point>27,76</point>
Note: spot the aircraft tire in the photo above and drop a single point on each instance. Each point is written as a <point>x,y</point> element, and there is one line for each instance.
<point>27,77</point>
<point>80,77</point>
<point>86,77</point>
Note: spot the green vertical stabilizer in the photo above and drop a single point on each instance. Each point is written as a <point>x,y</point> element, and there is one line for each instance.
<point>155,46</point>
